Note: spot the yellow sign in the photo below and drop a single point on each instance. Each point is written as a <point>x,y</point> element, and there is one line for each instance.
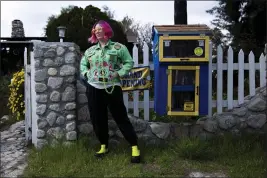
<point>137,79</point>
<point>198,51</point>
<point>188,106</point>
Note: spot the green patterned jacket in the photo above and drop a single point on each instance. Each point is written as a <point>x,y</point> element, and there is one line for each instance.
<point>98,64</point>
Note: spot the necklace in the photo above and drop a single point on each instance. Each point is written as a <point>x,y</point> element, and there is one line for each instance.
<point>103,72</point>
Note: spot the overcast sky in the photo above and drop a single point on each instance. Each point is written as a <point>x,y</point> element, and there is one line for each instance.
<point>34,14</point>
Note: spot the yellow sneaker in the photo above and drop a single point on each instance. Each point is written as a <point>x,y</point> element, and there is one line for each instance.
<point>135,155</point>
<point>102,151</point>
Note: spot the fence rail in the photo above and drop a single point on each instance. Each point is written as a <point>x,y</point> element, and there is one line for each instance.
<point>219,66</point>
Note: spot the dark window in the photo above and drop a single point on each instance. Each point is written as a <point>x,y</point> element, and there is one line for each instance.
<point>183,48</point>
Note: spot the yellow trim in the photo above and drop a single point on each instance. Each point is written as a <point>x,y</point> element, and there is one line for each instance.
<point>183,67</point>
<point>196,104</point>
<point>204,59</point>
<point>170,90</point>
<point>176,113</point>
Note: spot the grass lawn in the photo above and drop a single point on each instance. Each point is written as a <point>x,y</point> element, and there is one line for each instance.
<point>235,157</point>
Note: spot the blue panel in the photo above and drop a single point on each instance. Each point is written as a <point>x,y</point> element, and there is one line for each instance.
<point>183,88</point>
<point>204,90</point>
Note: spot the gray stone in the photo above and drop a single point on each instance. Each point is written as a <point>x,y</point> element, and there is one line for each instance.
<point>37,63</point>
<point>55,96</point>
<point>70,58</point>
<point>112,125</point>
<point>59,61</point>
<point>161,130</point>
<point>70,136</point>
<point>41,98</point>
<point>257,104</point>
<point>119,134</point>
<point>40,110</point>
<point>69,94</point>
<point>70,117</point>
<point>70,126</point>
<point>67,70</point>
<point>38,53</point>
<point>40,87</point>
<point>83,113</point>
<point>56,132</point>
<point>226,121</point>
<point>138,124</point>
<point>52,71</point>
<point>242,125</point>
<point>60,51</point>
<point>54,143</point>
<point>51,118</point>
<point>41,143</point>
<point>50,53</point>
<point>180,131</point>
<point>195,131</point>
<point>41,123</point>
<point>70,79</point>
<point>210,125</point>
<point>80,87</point>
<point>40,75</point>
<point>40,133</point>
<point>60,120</point>
<point>256,121</point>
<point>240,111</point>
<point>71,48</point>
<point>70,106</point>
<point>82,98</point>
<point>55,107</point>
<point>55,82</point>
<point>85,128</point>
<point>48,62</point>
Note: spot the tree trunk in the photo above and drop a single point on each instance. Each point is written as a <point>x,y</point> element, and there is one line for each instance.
<point>180,12</point>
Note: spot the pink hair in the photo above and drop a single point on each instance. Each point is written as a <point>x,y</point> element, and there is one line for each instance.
<point>107,29</point>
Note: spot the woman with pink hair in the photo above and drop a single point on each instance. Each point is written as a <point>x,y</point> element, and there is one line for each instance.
<point>100,67</point>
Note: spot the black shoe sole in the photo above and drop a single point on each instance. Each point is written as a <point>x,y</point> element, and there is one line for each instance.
<point>136,159</point>
<point>101,155</point>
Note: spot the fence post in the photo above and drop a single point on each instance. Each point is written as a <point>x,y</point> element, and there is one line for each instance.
<point>219,79</point>
<point>230,78</point>
<point>210,80</point>
<point>262,70</point>
<point>251,74</point>
<point>136,92</point>
<point>241,77</point>
<point>146,92</point>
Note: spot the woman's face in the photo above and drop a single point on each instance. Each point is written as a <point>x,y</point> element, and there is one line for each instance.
<point>99,32</point>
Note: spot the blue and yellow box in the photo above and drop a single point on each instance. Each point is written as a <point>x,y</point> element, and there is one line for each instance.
<point>181,69</point>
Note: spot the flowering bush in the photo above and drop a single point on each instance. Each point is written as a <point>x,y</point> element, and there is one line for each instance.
<point>16,97</point>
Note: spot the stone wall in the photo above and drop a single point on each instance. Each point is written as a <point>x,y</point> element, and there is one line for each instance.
<point>55,78</point>
<point>250,117</point>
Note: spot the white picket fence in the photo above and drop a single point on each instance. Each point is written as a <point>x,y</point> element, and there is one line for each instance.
<point>219,103</point>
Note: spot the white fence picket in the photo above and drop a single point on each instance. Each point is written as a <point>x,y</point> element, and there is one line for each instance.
<point>241,77</point>
<point>262,70</point>
<point>146,92</point>
<point>136,92</point>
<point>210,80</point>
<point>251,59</point>
<point>219,79</point>
<point>230,78</point>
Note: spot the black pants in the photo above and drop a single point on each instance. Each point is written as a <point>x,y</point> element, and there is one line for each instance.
<point>99,101</point>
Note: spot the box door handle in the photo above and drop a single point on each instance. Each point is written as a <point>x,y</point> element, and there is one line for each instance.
<point>197,90</point>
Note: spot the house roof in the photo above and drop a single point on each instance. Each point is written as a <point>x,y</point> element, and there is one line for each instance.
<point>183,28</point>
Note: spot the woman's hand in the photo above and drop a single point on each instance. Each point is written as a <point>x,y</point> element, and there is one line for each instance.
<point>114,75</point>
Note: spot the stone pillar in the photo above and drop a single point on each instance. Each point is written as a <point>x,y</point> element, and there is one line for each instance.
<point>17,29</point>
<point>56,71</point>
